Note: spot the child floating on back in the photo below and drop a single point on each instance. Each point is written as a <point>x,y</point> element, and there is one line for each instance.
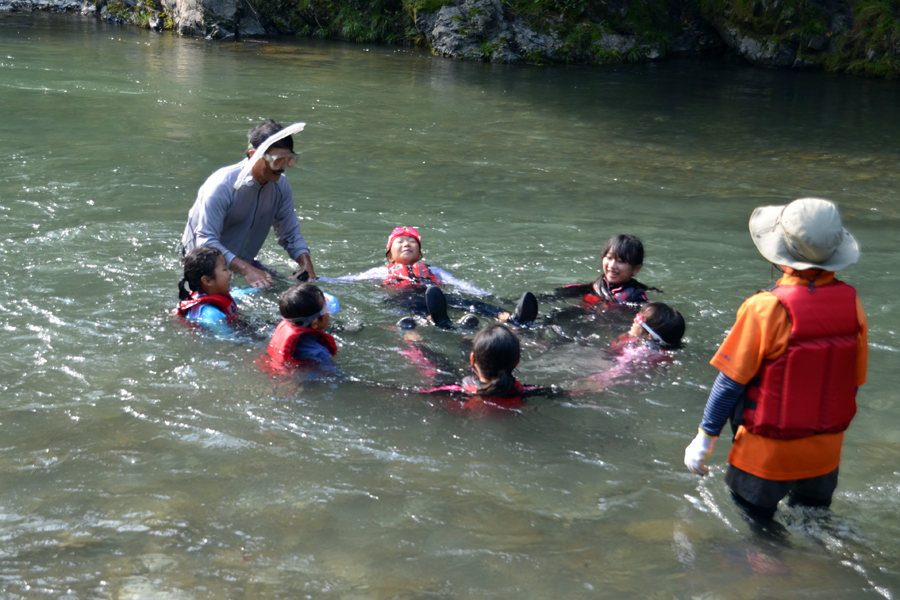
<point>300,337</point>
<point>409,276</point>
<point>416,285</point>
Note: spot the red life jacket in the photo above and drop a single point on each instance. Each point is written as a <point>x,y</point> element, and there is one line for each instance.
<point>414,275</point>
<point>470,387</point>
<point>287,336</point>
<point>811,388</point>
<point>225,303</point>
<point>630,292</point>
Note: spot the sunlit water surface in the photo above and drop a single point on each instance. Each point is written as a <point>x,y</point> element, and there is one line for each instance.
<point>143,459</point>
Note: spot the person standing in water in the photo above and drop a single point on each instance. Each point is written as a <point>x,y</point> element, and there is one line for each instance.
<point>239,203</point>
<point>791,365</point>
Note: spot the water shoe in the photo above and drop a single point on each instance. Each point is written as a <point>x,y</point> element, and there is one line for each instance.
<point>526,311</point>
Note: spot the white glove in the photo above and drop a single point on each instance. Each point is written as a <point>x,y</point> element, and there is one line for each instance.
<point>698,451</point>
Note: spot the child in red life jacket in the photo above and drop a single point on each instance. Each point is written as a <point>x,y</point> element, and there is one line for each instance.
<point>210,301</point>
<point>409,275</point>
<point>495,354</point>
<point>299,337</point>
<point>621,259</point>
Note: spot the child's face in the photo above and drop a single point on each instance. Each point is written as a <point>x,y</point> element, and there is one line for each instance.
<point>405,250</point>
<point>220,281</point>
<point>321,322</point>
<point>636,329</point>
<point>618,271</point>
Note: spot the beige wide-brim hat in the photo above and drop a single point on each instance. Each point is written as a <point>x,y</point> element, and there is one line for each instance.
<point>805,234</point>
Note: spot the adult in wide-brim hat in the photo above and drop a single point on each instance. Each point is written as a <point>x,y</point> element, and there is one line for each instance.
<point>805,234</point>
<point>790,366</point>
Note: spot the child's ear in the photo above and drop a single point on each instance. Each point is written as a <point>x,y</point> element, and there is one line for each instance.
<point>206,281</point>
<point>472,358</point>
<point>319,323</point>
<point>636,270</point>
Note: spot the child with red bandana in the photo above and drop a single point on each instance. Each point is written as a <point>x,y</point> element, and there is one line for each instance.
<point>416,285</point>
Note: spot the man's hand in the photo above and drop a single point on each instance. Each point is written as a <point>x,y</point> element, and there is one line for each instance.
<point>257,278</point>
<point>305,263</point>
<point>698,451</point>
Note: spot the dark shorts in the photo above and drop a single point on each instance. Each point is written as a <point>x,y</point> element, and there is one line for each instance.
<point>766,493</point>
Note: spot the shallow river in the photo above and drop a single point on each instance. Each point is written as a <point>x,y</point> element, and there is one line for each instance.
<point>143,459</point>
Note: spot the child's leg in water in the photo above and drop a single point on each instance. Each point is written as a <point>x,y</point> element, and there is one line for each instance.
<point>523,315</point>
<point>413,301</point>
<point>475,306</point>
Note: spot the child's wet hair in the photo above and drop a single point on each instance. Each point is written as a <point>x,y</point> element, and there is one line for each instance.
<point>625,247</point>
<point>300,301</point>
<point>665,321</point>
<point>497,353</point>
<point>199,262</point>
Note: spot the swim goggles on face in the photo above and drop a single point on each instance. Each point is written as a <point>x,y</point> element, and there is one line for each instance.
<point>280,162</point>
<point>332,306</point>
<point>640,319</point>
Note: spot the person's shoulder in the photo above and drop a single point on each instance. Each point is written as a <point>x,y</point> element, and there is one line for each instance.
<point>761,303</point>
<point>224,177</point>
<point>228,171</point>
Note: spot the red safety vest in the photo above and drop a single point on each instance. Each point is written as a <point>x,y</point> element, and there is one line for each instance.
<point>225,303</point>
<point>811,388</point>
<point>631,292</point>
<point>417,274</point>
<point>470,387</point>
<point>287,336</point>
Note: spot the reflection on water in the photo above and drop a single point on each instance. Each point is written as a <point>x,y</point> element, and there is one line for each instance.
<point>141,459</point>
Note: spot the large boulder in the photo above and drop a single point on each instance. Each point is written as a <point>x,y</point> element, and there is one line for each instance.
<point>214,19</point>
<point>760,50</point>
<point>482,30</point>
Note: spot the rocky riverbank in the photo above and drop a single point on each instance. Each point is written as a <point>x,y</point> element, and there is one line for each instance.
<point>855,36</point>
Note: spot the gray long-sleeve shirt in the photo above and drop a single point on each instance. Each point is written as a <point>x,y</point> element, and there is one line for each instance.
<point>238,221</point>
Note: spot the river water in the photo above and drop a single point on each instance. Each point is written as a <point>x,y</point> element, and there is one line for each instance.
<point>143,459</point>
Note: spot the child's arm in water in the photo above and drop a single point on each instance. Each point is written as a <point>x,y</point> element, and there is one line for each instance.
<point>373,273</point>
<point>460,284</point>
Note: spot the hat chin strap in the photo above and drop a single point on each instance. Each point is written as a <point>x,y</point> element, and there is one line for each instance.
<point>259,152</point>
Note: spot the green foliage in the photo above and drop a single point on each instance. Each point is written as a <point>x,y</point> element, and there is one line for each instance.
<point>118,9</point>
<point>536,58</point>
<point>785,18</point>
<point>872,45</point>
<point>426,6</point>
<point>607,56</point>
<point>388,21</point>
<point>488,49</point>
<point>635,55</point>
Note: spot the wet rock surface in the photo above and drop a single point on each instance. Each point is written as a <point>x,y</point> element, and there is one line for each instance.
<point>482,29</point>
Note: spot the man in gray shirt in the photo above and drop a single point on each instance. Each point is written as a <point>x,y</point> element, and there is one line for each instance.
<point>237,221</point>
